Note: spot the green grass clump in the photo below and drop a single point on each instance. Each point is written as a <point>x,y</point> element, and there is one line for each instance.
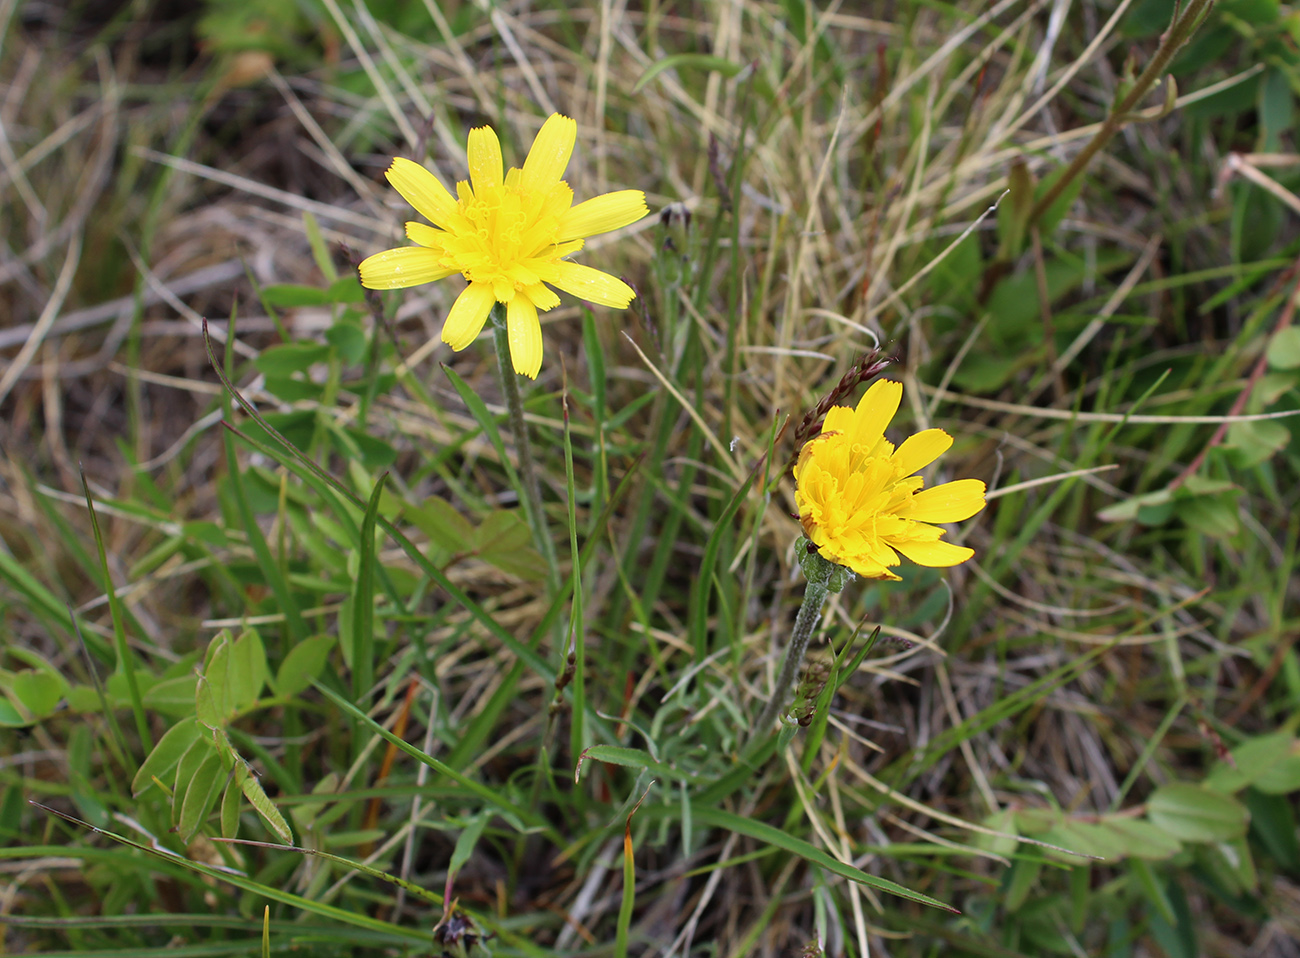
<point>284,670</point>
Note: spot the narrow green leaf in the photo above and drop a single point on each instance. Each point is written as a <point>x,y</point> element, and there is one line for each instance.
<point>126,664</point>
<point>527,816</point>
<point>262,804</point>
<point>697,61</point>
<point>479,410</point>
<point>353,917</point>
<point>363,601</point>
<point>630,758</point>
<point>466,841</point>
<point>797,846</point>
<point>319,249</point>
<point>270,569</point>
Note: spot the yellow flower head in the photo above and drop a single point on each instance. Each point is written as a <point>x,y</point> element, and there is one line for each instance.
<point>859,502</point>
<point>508,235</point>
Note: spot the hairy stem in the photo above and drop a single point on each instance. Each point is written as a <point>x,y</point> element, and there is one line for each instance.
<point>805,622</point>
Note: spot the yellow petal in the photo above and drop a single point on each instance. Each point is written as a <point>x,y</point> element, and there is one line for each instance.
<point>398,268</point>
<point>602,214</point>
<point>484,159</point>
<point>542,296</point>
<point>549,154</point>
<point>838,419</point>
<point>467,316</point>
<point>422,190</point>
<point>920,450</point>
<point>525,334</point>
<point>875,410</point>
<point>873,565</point>
<point>950,502</point>
<point>587,283</point>
<point>425,235</point>
<point>934,554</point>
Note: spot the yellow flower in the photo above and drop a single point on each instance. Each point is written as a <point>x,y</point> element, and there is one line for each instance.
<point>859,502</point>
<point>508,236</point>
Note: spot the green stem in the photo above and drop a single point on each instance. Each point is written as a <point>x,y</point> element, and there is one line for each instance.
<point>805,622</point>
<point>1179,32</point>
<point>532,499</point>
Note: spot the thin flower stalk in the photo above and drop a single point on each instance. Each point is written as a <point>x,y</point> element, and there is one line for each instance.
<point>532,489</point>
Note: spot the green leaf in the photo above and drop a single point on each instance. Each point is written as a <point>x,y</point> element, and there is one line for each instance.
<point>230,809</point>
<point>1270,762</point>
<point>445,527</point>
<point>10,717</point>
<point>505,541</point>
<point>349,339</point>
<point>512,812</point>
<point>257,797</point>
<point>175,743</point>
<point>467,839</point>
<point>1256,441</point>
<point>698,61</point>
<point>1253,11</point>
<point>1130,509</point>
<point>1019,880</point>
<point>289,358</point>
<point>1175,934</point>
<point>246,671</point>
<point>194,756</point>
<point>363,600</point>
<point>1275,109</point>
<point>1087,839</point>
<point>375,452</point>
<point>763,832</point>
<point>201,794</point>
<point>1053,215</point>
<point>502,530</point>
<point>1273,823</point>
<point>211,694</point>
<point>1284,348</point>
<point>1193,813</point>
<point>1145,879</point>
<point>1014,210</point>
<point>1233,864</point>
<point>319,250</point>
<point>1141,839</point>
<point>37,691</point>
<point>273,891</point>
<point>1210,515</point>
<point>303,664</point>
<point>292,294</point>
<point>294,390</point>
<point>630,758</point>
<point>173,697</point>
<point>346,289</point>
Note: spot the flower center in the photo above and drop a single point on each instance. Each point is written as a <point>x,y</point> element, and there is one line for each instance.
<point>506,228</point>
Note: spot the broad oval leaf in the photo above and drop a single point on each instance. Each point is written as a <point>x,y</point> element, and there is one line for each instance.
<point>1193,813</point>
<point>1143,839</point>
